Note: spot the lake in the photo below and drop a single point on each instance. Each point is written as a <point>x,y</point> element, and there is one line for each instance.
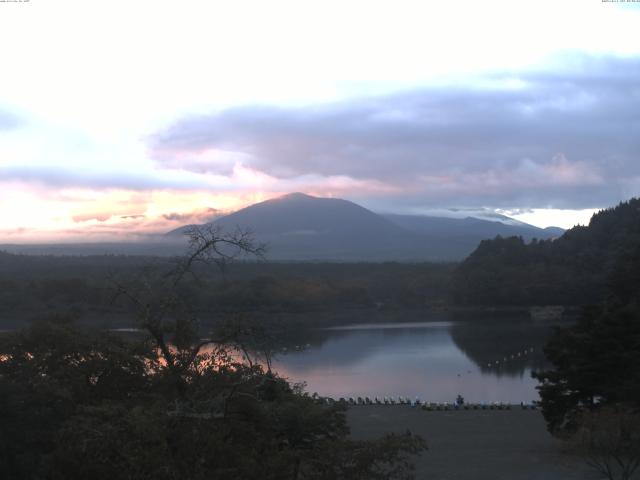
<point>435,357</point>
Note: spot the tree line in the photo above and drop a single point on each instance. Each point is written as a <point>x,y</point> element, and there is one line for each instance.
<point>574,269</point>
<point>79,286</point>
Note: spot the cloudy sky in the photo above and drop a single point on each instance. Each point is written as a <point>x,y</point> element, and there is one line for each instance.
<point>121,118</point>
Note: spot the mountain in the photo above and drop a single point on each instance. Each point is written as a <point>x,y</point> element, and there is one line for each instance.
<point>303,227</point>
<point>578,268</point>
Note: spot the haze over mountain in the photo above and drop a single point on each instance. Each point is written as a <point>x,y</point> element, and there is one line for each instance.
<point>303,227</point>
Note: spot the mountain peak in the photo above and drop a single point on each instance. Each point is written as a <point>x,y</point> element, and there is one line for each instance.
<point>297,195</point>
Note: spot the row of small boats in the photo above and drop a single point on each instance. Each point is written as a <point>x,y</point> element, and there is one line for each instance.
<point>515,356</point>
<point>427,405</point>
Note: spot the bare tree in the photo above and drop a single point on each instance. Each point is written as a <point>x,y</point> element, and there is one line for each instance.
<point>161,307</point>
<point>609,441</point>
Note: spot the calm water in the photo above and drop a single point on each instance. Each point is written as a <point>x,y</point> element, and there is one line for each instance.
<point>434,359</point>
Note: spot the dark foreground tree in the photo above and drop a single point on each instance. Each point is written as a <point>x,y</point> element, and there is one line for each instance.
<point>592,395</point>
<point>77,404</point>
<point>596,363</point>
<point>52,371</point>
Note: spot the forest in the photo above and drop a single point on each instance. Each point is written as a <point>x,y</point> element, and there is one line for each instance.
<point>80,286</point>
<point>574,269</point>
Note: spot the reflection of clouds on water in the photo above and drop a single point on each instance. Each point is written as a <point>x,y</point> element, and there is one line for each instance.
<point>434,361</point>
<point>353,346</point>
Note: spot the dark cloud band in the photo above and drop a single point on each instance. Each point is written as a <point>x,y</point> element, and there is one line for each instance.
<point>567,139</point>
<point>65,177</point>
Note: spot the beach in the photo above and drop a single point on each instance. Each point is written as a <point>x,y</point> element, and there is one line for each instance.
<point>475,444</point>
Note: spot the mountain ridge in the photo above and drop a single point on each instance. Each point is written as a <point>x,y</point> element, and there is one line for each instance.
<point>303,227</point>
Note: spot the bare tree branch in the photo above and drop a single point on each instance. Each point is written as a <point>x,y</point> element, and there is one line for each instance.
<point>161,307</point>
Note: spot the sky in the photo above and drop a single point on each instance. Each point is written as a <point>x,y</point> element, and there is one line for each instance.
<point>121,119</point>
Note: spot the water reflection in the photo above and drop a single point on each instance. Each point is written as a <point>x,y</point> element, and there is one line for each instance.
<point>505,347</point>
<point>435,360</point>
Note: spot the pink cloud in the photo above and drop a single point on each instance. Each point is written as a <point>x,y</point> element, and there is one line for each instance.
<point>101,217</point>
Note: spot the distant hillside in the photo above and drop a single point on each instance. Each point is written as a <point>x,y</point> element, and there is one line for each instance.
<point>460,236</point>
<point>302,227</point>
<point>577,268</point>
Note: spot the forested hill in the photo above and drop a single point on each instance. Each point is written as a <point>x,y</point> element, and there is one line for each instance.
<point>577,268</point>
<point>81,286</point>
